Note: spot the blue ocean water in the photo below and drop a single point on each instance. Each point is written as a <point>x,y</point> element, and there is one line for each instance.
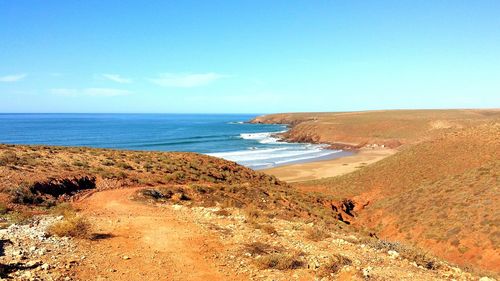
<point>220,135</point>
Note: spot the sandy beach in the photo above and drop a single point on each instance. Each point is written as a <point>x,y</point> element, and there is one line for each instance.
<point>329,168</point>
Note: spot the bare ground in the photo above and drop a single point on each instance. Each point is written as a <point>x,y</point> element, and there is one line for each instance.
<point>142,242</point>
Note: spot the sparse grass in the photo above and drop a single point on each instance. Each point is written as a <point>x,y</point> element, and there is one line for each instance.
<point>72,226</point>
<point>63,209</point>
<point>8,157</point>
<point>410,253</point>
<point>317,234</point>
<point>260,248</point>
<point>17,217</point>
<point>3,208</point>
<point>267,228</point>
<point>334,265</point>
<point>223,212</point>
<point>280,261</point>
<point>438,193</point>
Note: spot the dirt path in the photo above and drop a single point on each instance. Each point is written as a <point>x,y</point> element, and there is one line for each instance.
<point>141,242</point>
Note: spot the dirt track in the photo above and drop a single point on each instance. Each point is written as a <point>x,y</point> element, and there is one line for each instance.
<point>141,242</point>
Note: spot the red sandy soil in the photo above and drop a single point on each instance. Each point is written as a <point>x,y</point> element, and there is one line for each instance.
<point>442,194</point>
<point>160,245</point>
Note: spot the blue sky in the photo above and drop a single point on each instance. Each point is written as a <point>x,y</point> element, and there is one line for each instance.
<point>247,56</point>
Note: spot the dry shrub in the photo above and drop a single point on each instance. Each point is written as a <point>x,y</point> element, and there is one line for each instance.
<point>255,216</point>
<point>259,220</point>
<point>316,234</point>
<point>259,248</point>
<point>72,226</point>
<point>267,228</point>
<point>410,253</point>
<point>420,258</point>
<point>4,209</point>
<point>280,261</point>
<point>230,203</point>
<point>8,157</point>
<point>222,212</point>
<point>334,265</point>
<point>156,194</point>
<point>181,196</point>
<point>23,195</point>
<point>64,209</point>
<point>17,217</point>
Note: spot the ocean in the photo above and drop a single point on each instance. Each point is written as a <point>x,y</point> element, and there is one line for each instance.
<point>221,135</point>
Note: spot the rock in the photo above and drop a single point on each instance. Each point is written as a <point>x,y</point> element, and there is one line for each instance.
<point>367,271</point>
<point>33,263</point>
<point>17,254</point>
<point>41,251</point>
<point>486,279</point>
<point>45,266</point>
<point>313,264</point>
<point>393,254</point>
<point>126,257</point>
<point>27,275</point>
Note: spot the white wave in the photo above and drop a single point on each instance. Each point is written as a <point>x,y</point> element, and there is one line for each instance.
<point>264,138</point>
<point>270,157</point>
<point>245,152</point>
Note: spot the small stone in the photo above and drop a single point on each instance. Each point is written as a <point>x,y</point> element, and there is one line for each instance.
<point>41,251</point>
<point>393,254</point>
<point>45,266</point>
<point>126,257</point>
<point>33,263</point>
<point>367,271</point>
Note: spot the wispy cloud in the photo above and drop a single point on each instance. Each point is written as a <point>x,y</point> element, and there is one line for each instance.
<point>64,92</point>
<point>13,77</point>
<point>116,78</point>
<point>95,92</point>
<point>185,80</point>
<point>105,92</point>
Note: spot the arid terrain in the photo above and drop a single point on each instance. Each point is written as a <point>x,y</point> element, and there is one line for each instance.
<point>441,189</point>
<point>389,128</point>
<point>426,211</point>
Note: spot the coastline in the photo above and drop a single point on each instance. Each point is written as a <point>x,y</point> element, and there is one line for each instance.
<point>349,158</point>
<point>312,170</point>
<point>334,154</point>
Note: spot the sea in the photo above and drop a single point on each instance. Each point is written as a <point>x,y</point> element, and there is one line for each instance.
<point>226,136</point>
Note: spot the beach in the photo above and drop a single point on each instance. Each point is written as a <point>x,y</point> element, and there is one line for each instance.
<point>329,168</point>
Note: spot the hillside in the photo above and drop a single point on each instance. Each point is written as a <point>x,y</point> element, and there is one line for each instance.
<point>181,216</point>
<point>391,128</point>
<point>442,194</point>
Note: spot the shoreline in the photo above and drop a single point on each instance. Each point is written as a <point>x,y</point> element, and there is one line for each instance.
<point>312,170</point>
<point>335,154</point>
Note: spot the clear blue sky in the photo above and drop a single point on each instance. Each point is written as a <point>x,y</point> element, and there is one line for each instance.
<point>248,56</point>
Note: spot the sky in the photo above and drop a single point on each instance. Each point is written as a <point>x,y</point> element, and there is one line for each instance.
<point>248,56</point>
